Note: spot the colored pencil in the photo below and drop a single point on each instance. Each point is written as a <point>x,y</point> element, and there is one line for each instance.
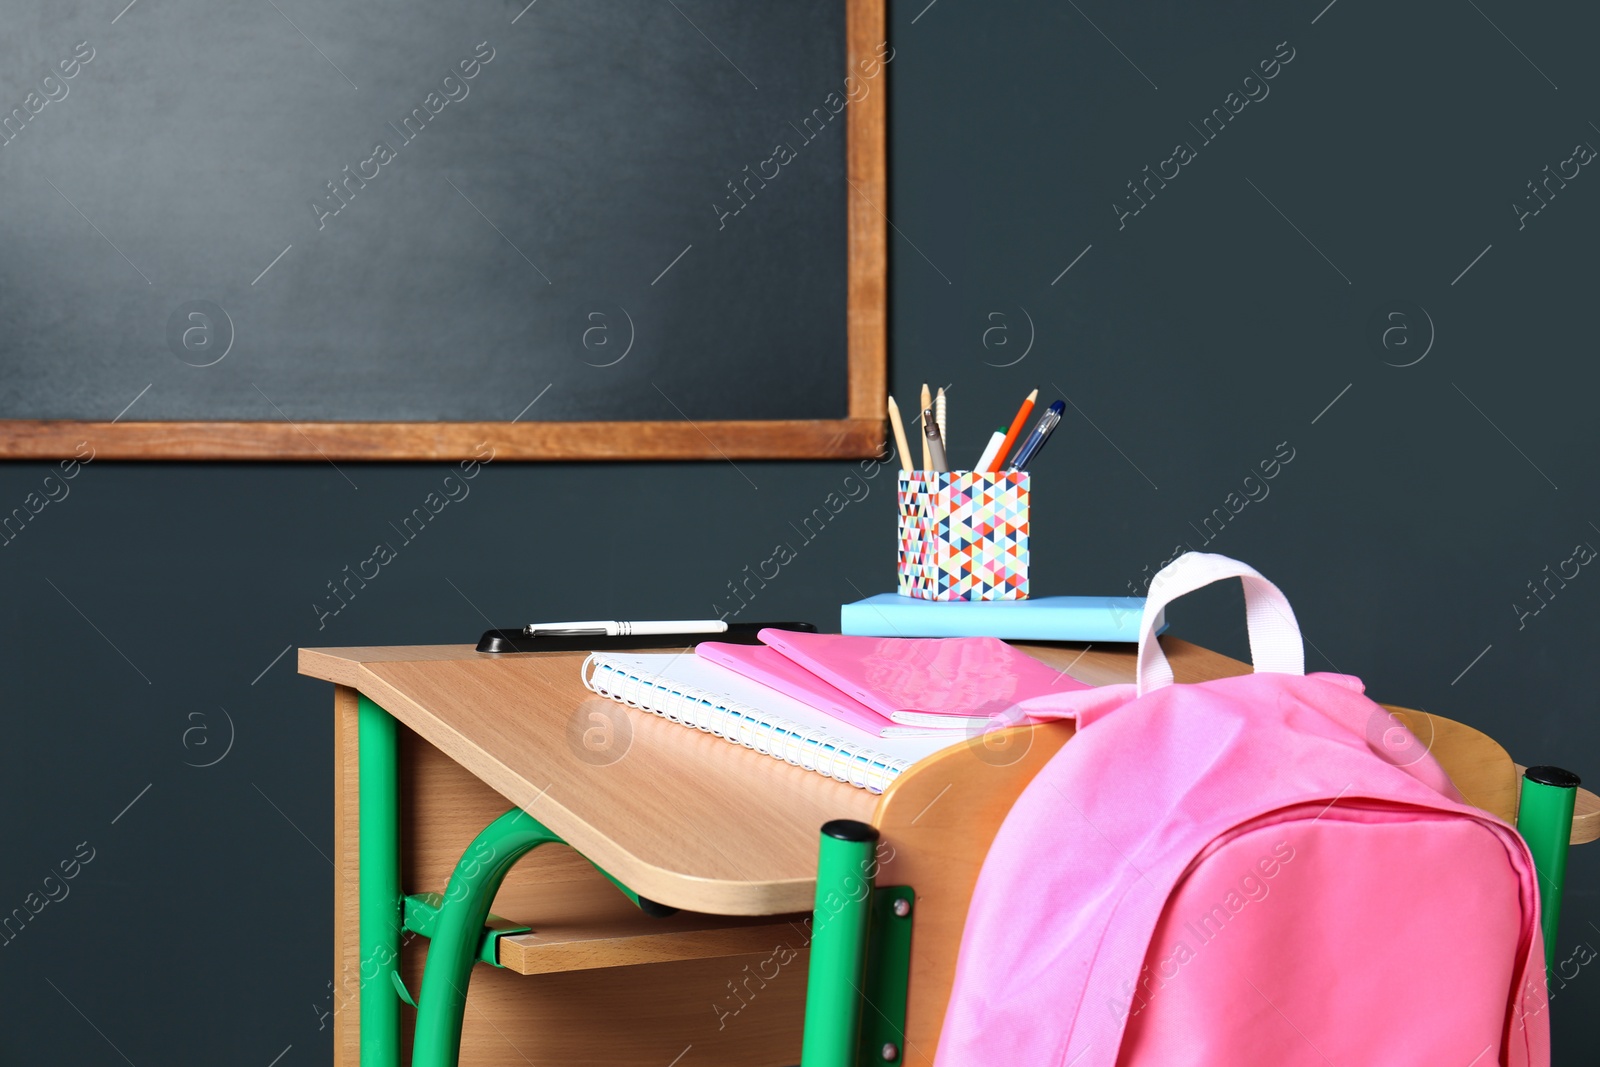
<point>922,431</point>
<point>900,436</point>
<point>1017,425</point>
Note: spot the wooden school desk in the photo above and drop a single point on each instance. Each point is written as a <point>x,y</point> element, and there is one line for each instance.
<point>436,743</point>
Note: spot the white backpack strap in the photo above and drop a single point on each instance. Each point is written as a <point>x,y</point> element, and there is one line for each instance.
<point>1275,645</point>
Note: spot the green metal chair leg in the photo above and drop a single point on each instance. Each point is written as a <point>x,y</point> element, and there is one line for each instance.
<point>378,891</point>
<point>457,928</point>
<point>1544,818</point>
<point>846,867</point>
<point>443,1001</point>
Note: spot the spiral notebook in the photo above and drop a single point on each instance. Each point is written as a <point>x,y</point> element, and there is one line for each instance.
<point>693,691</point>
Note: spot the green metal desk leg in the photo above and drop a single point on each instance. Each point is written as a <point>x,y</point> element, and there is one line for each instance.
<point>1544,818</point>
<point>378,891</point>
<point>846,866</point>
<point>454,949</point>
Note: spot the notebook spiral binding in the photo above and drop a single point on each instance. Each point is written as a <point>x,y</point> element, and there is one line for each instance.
<point>812,750</point>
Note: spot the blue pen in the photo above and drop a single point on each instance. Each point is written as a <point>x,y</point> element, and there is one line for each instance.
<point>1041,433</point>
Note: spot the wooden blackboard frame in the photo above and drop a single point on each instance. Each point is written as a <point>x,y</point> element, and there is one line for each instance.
<point>859,434</point>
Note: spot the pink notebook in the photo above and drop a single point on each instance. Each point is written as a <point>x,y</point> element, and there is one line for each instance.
<point>948,681</point>
<point>777,671</point>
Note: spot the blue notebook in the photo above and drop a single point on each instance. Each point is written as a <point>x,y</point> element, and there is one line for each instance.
<point>1047,618</point>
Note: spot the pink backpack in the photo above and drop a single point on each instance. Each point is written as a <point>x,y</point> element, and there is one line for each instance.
<point>1244,872</point>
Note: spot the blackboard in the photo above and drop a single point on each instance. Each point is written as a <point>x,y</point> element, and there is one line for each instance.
<point>390,229</point>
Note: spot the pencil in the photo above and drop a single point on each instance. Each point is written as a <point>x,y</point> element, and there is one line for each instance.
<point>1016,428</point>
<point>900,436</point>
<point>922,431</point>
<point>938,416</point>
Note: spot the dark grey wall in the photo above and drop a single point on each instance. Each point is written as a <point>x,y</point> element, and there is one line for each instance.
<point>144,610</point>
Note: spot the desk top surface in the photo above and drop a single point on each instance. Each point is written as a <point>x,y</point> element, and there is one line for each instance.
<point>681,816</point>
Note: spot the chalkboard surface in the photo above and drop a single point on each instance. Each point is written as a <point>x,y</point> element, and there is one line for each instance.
<point>365,211</point>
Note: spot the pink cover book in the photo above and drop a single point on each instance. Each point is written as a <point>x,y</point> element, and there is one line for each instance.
<point>925,681</point>
<point>772,668</point>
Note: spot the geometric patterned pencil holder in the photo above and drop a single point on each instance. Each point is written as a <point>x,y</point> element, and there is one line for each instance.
<point>964,535</point>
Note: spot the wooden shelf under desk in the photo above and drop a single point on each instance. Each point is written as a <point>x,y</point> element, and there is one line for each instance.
<point>580,923</point>
<point>560,947</point>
